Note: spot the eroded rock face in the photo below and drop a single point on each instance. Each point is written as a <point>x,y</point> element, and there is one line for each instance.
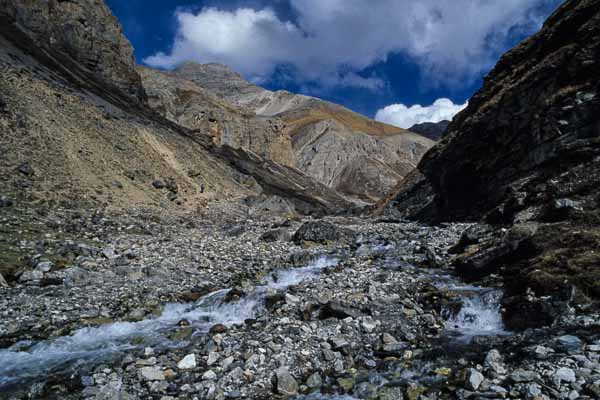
<point>526,150</point>
<point>83,32</point>
<point>76,128</point>
<point>339,148</point>
<point>528,135</point>
<point>187,104</point>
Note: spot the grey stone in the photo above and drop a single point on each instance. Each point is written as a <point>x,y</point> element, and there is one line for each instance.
<point>564,375</point>
<point>314,381</point>
<point>533,390</point>
<point>494,362</point>
<point>5,201</point>
<point>520,376</point>
<point>152,374</point>
<point>44,266</point>
<point>3,282</point>
<point>285,383</point>
<point>474,379</point>
<point>26,169</point>
<point>569,342</point>
<point>29,276</point>
<point>209,375</point>
<point>188,362</point>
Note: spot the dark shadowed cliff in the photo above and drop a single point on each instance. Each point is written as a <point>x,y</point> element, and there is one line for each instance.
<point>525,154</point>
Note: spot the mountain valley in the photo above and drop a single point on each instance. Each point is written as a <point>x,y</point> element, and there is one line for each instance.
<point>187,234</point>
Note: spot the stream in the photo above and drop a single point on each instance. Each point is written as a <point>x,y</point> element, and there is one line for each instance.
<point>27,362</point>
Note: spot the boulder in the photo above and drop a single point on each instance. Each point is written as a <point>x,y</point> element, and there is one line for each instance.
<point>318,232</point>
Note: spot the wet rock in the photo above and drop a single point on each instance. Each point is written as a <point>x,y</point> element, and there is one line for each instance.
<point>285,384</point>
<point>474,379</point>
<point>218,328</point>
<point>494,362</point>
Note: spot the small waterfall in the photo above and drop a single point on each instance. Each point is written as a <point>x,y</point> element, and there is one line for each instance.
<point>480,314</point>
<point>90,346</point>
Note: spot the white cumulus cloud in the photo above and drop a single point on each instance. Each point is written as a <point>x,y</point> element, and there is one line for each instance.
<point>405,117</point>
<point>332,42</point>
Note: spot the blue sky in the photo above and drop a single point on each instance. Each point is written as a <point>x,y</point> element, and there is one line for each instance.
<point>377,57</point>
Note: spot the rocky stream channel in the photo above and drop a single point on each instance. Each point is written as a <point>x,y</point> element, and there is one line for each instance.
<point>340,309</point>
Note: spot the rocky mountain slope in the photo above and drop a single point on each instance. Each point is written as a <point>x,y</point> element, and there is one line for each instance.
<point>76,127</point>
<point>335,146</point>
<point>526,153</point>
<point>431,130</point>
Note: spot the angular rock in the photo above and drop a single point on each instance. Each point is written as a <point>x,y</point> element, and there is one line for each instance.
<point>3,282</point>
<point>188,362</point>
<point>520,376</point>
<point>564,375</point>
<point>152,374</point>
<point>6,201</point>
<point>318,232</point>
<point>285,384</point>
<point>209,375</point>
<point>474,379</point>
<point>30,276</point>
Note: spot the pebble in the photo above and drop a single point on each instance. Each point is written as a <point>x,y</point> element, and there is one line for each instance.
<point>188,362</point>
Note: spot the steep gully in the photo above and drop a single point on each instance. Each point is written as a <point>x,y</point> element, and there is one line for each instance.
<point>72,356</point>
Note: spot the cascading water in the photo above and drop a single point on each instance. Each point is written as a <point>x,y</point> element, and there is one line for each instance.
<point>480,314</point>
<point>24,362</point>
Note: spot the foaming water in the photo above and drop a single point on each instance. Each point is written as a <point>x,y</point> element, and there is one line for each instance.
<point>480,314</point>
<point>91,346</point>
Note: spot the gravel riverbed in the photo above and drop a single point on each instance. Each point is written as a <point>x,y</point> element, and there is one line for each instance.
<point>149,307</point>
